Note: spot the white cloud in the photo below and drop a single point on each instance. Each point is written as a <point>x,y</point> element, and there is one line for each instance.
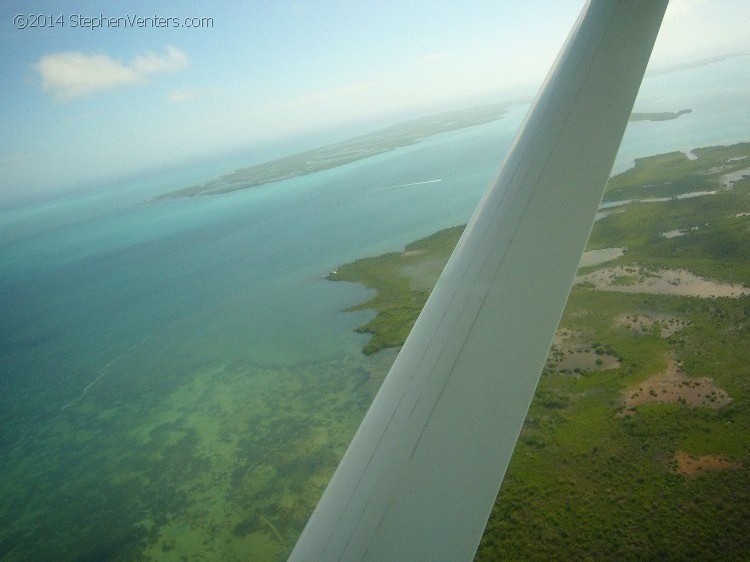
<point>151,63</point>
<point>190,94</point>
<point>179,96</point>
<point>70,75</point>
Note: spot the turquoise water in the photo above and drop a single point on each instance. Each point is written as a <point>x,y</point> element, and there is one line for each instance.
<point>718,95</point>
<point>178,380</point>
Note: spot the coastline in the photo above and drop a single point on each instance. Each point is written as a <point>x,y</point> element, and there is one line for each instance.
<point>345,152</point>
<point>611,423</point>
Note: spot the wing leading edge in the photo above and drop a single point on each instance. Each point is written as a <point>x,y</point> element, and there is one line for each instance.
<point>419,479</point>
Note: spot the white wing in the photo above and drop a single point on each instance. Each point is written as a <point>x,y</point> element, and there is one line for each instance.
<point>420,477</point>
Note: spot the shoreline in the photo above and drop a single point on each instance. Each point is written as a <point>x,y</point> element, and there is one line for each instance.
<point>613,419</point>
<point>345,152</point>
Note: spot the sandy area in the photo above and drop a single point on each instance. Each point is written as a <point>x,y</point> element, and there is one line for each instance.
<point>603,214</point>
<point>728,180</point>
<point>688,465</point>
<point>643,323</point>
<point>635,279</point>
<point>409,253</point>
<point>595,257</point>
<point>677,233</point>
<point>673,386</point>
<point>569,354</point>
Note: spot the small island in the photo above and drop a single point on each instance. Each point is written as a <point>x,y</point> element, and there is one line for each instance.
<point>659,115</point>
<point>338,154</point>
<point>637,443</point>
<point>372,144</point>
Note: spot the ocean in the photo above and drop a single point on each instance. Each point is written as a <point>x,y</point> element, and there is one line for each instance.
<point>178,378</point>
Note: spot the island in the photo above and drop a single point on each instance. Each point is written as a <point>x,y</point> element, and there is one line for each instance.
<point>338,154</point>
<point>365,146</point>
<point>658,116</point>
<point>637,443</point>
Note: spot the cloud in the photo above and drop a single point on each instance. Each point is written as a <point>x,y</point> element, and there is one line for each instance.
<point>179,96</point>
<point>71,75</point>
<point>190,94</point>
<point>151,63</point>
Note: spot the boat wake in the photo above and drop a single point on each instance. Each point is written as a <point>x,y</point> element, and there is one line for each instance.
<point>410,184</point>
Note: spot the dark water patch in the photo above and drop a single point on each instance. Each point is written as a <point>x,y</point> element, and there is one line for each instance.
<point>10,342</point>
<point>246,526</point>
<point>230,459</point>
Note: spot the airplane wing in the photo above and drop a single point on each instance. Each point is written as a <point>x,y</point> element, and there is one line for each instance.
<point>419,479</point>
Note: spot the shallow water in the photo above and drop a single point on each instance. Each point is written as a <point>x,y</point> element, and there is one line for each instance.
<point>178,380</point>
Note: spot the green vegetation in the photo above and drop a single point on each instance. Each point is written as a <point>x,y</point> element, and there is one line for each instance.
<point>668,175</point>
<point>715,237</point>
<point>338,154</point>
<point>403,281</point>
<point>591,479</point>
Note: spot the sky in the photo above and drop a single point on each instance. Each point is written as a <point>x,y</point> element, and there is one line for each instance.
<point>95,90</point>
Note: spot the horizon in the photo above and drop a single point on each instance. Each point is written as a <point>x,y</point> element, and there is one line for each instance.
<point>135,97</point>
